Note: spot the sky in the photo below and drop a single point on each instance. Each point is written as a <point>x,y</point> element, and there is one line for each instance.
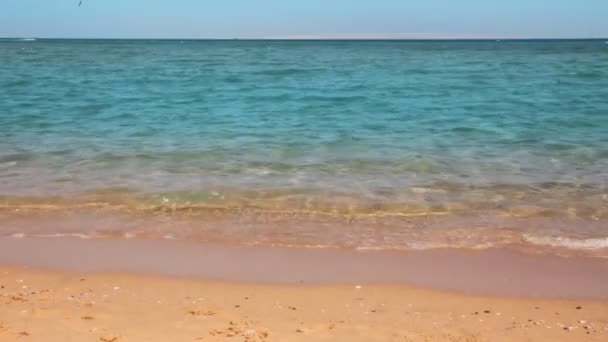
<point>304,18</point>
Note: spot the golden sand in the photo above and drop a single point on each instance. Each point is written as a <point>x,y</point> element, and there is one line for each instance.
<point>53,306</point>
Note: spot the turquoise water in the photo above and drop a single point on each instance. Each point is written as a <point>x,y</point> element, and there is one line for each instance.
<point>499,128</point>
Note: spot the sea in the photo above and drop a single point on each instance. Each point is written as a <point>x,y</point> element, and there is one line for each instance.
<point>370,145</point>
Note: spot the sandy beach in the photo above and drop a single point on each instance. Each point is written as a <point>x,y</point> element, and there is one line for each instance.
<point>138,290</point>
<point>39,305</point>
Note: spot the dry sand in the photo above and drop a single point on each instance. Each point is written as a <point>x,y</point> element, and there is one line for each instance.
<point>50,306</point>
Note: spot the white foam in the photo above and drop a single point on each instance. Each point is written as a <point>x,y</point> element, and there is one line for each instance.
<point>429,245</point>
<point>61,235</point>
<point>570,243</point>
<point>8,164</point>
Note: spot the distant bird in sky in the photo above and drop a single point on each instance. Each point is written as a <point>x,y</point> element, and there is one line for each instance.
<point>80,3</point>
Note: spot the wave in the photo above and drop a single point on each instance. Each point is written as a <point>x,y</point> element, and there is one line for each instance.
<point>56,235</point>
<point>569,243</point>
<point>18,40</point>
<point>562,204</point>
<point>414,240</point>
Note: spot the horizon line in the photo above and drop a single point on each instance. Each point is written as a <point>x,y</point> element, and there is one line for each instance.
<point>310,39</point>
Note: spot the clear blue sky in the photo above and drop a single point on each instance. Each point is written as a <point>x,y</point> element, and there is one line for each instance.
<point>305,18</point>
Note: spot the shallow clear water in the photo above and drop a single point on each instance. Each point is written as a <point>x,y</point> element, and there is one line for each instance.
<point>485,129</point>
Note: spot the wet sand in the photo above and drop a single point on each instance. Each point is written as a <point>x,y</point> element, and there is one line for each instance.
<point>486,272</point>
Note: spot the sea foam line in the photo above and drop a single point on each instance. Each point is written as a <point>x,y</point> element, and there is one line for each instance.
<point>570,243</point>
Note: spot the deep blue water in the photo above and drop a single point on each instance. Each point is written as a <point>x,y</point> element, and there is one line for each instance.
<point>382,125</point>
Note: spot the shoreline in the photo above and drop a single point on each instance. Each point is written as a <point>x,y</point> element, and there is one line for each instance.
<point>494,272</point>
<point>527,232</point>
